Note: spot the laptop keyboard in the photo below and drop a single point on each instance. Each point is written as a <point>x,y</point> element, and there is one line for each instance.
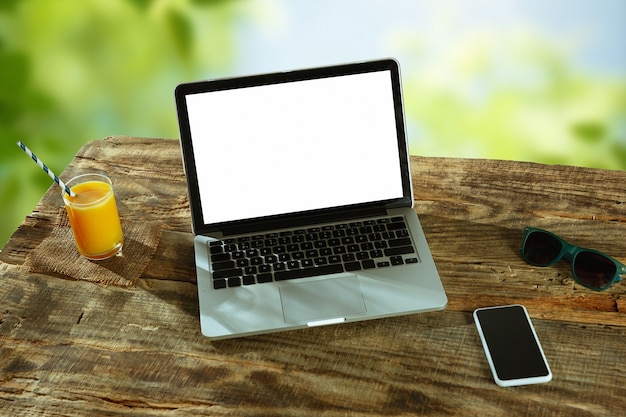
<point>306,252</point>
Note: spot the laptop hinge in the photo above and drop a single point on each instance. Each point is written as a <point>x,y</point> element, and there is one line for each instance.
<point>301,220</point>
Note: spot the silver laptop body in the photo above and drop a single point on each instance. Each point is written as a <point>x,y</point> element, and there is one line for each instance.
<point>286,173</point>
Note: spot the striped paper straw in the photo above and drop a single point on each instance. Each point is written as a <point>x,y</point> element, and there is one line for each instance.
<point>46,169</point>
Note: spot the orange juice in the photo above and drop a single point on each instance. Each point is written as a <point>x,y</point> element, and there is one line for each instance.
<point>94,217</point>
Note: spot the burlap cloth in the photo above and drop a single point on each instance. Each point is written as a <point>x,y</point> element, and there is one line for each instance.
<point>57,254</point>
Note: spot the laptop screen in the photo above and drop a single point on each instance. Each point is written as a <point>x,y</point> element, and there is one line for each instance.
<point>295,146</point>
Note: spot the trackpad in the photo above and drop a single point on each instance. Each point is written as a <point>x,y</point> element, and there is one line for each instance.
<point>321,300</point>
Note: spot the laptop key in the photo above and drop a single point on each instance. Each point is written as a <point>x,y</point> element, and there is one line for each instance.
<point>220,257</point>
<point>264,278</point>
<point>402,233</point>
<point>270,259</point>
<point>234,282</point>
<point>348,257</point>
<point>380,244</point>
<point>217,266</point>
<point>319,244</point>
<point>399,250</point>
<point>396,226</point>
<point>400,242</point>
<point>308,272</point>
<point>339,250</point>
<point>353,266</point>
<point>216,248</point>
<point>334,259</point>
<point>227,273</point>
<point>369,264</point>
<point>353,248</point>
<point>367,246</point>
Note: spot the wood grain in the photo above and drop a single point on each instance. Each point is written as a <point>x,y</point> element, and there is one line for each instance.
<point>71,348</point>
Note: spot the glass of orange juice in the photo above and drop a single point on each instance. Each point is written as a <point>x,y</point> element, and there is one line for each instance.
<point>94,217</point>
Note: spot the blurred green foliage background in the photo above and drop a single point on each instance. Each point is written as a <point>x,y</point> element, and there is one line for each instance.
<point>524,80</point>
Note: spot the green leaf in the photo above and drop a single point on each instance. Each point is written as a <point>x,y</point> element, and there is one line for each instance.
<point>181,32</point>
<point>589,131</point>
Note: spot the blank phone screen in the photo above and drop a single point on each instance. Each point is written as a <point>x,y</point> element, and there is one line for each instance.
<point>512,344</point>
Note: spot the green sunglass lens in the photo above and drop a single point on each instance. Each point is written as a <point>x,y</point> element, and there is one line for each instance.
<point>594,270</point>
<point>541,248</point>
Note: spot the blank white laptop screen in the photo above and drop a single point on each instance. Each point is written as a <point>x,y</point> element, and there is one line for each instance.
<point>296,146</point>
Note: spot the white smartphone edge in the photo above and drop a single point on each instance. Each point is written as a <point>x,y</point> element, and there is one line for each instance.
<point>512,382</point>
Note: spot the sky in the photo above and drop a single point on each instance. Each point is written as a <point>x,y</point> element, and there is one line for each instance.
<point>286,34</point>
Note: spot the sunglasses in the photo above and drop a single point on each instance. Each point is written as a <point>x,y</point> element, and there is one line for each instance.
<point>591,268</point>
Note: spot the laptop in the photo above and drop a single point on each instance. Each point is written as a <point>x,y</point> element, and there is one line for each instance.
<point>301,200</point>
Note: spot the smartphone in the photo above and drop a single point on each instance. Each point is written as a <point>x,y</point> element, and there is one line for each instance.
<point>511,345</point>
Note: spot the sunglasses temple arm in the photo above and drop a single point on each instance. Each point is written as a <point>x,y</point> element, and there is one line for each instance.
<point>621,270</point>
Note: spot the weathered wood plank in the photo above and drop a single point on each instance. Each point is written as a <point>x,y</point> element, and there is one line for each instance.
<point>515,194</point>
<point>112,341</point>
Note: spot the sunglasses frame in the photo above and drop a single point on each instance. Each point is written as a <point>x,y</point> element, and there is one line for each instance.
<point>570,252</point>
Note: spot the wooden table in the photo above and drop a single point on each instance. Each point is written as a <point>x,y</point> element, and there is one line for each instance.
<point>77,348</point>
